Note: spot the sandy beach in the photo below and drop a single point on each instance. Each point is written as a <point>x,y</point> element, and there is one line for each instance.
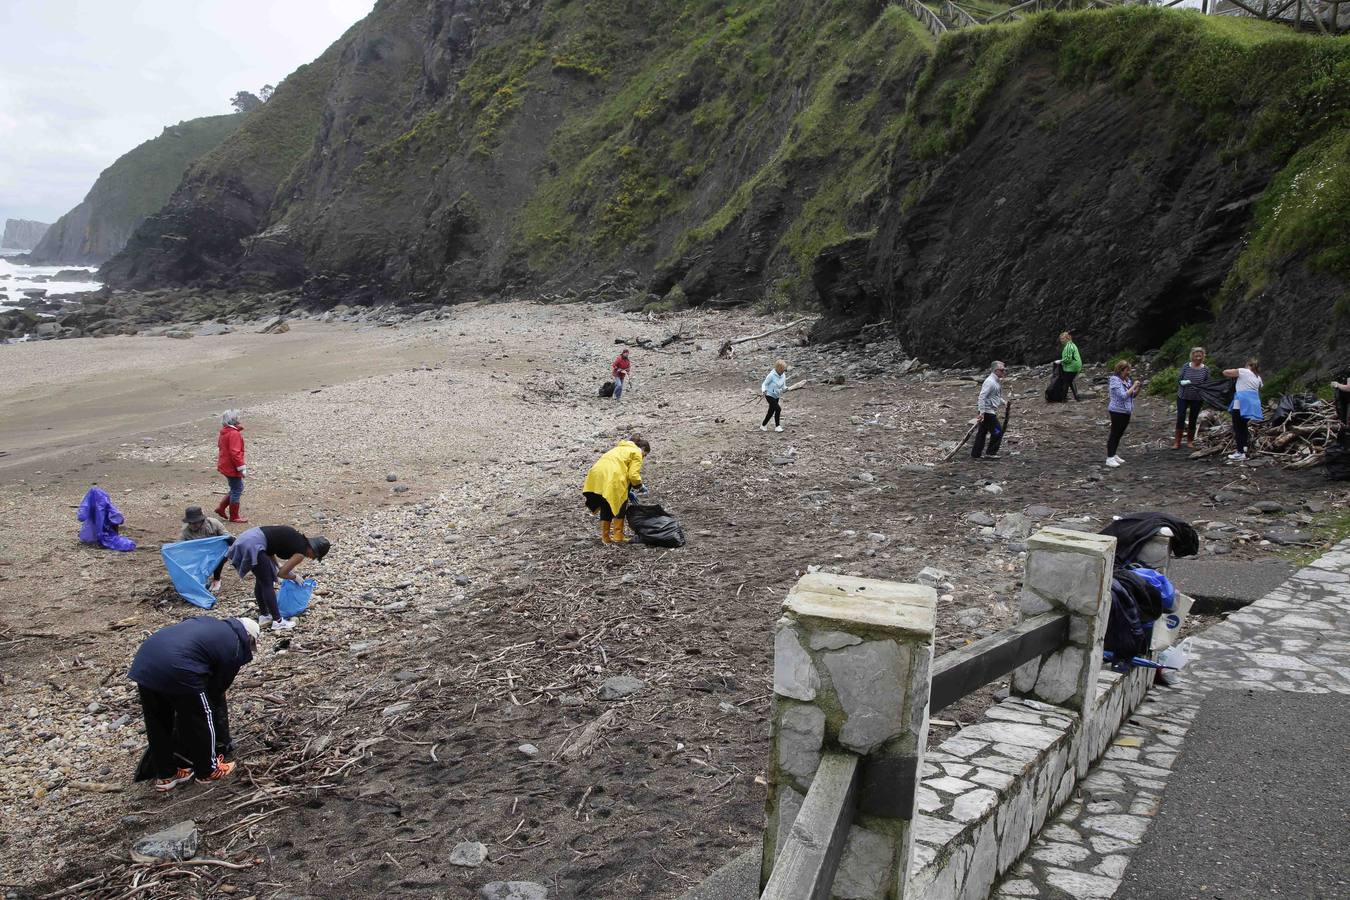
<point>467,607</point>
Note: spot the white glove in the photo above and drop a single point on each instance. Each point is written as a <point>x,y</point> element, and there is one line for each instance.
<point>243,470</point>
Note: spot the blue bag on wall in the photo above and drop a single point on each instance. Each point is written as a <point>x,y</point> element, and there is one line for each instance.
<point>190,564</point>
<point>293,599</point>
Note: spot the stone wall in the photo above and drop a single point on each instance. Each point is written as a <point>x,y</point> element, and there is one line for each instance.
<point>987,791</point>
<point>852,671</point>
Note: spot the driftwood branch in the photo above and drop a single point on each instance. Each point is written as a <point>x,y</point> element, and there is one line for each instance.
<point>726,349</point>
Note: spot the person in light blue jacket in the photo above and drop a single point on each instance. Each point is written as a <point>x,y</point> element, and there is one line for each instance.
<point>773,389</point>
<point>1123,390</point>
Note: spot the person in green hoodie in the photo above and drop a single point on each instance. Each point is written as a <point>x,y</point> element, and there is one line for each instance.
<point>1070,364</point>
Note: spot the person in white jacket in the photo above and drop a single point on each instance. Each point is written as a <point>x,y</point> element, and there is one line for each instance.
<point>991,399</point>
<point>773,389</point>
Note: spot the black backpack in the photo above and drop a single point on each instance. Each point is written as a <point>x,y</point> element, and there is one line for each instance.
<point>1135,605</point>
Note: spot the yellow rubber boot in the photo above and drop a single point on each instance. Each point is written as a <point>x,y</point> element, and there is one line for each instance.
<point>604,532</point>
<point>616,535</point>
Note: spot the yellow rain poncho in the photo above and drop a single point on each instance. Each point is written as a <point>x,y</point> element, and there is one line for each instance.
<point>614,473</point>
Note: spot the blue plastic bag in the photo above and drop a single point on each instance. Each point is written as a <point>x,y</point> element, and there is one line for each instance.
<point>293,599</point>
<point>190,564</point>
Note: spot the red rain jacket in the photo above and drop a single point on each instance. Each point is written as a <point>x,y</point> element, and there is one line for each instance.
<point>231,444</point>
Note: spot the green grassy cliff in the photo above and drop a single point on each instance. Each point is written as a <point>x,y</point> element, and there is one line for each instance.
<point>137,184</point>
<point>1123,171</point>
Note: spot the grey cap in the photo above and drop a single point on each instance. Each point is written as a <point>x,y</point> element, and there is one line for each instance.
<point>194,514</point>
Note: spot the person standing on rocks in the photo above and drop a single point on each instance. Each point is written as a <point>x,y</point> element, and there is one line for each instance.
<point>257,551</point>
<point>1070,364</point>
<point>619,372</point>
<point>1123,390</point>
<point>608,483</point>
<point>773,389</point>
<point>1246,406</point>
<point>1195,372</point>
<point>230,463</point>
<point>182,673</point>
<point>991,400</point>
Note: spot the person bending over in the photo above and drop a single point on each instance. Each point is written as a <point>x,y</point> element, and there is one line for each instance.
<point>608,483</point>
<point>272,553</point>
<point>182,672</point>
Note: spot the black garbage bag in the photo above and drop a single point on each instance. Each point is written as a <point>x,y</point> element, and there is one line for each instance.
<point>1217,393</point>
<point>1338,457</point>
<point>1293,405</point>
<point>607,389</point>
<point>651,524</point>
<point>1058,388</point>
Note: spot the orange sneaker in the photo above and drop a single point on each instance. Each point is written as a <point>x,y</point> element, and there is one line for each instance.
<point>223,769</point>
<point>182,776</point>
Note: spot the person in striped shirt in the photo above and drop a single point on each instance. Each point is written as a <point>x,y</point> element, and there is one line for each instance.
<point>1188,398</point>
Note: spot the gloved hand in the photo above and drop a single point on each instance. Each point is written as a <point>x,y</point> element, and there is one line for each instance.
<point>243,471</point>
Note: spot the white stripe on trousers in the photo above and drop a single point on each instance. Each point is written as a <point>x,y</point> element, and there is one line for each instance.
<point>210,727</point>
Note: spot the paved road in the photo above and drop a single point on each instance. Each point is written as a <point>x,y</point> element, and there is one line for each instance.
<point>1219,585</point>
<point>1258,804</point>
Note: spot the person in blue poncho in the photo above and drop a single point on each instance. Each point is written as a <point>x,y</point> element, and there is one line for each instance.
<point>101,521</point>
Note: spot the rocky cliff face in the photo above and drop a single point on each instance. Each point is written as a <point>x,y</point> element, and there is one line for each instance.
<point>22,234</point>
<point>1119,176</point>
<point>1119,172</point>
<point>137,184</point>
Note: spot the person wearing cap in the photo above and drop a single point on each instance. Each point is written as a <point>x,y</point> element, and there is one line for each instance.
<point>182,672</point>
<point>272,553</point>
<point>198,525</point>
<point>991,399</point>
<point>608,483</point>
<point>619,371</point>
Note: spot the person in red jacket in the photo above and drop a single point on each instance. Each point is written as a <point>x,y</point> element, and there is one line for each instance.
<point>230,463</point>
<point>620,373</point>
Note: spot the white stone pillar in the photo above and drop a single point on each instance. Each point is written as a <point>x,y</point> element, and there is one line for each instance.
<point>852,658</point>
<point>1070,572</point>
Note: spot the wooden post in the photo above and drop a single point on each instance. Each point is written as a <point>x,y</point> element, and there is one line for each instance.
<point>852,658</point>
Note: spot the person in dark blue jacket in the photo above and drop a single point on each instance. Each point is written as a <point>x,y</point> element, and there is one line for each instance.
<point>183,671</point>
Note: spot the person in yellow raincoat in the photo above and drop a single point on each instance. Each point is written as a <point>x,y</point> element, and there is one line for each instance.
<point>608,482</point>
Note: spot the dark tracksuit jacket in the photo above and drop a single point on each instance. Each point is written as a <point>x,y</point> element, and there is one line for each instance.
<point>183,671</point>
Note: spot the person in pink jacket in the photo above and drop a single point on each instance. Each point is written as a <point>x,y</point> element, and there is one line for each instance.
<point>230,463</point>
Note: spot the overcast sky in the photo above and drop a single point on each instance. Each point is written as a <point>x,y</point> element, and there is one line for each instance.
<point>84,81</point>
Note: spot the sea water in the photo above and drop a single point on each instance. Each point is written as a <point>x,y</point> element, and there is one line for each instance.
<point>16,278</point>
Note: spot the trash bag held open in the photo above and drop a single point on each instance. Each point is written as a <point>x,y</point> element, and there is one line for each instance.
<point>293,599</point>
<point>190,564</point>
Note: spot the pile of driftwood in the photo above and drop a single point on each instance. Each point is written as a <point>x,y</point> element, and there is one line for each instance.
<point>1293,439</point>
